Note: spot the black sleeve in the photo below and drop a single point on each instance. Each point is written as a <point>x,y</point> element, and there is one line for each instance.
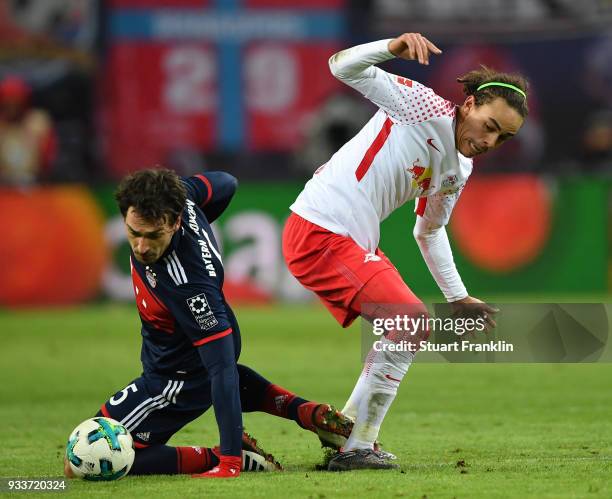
<point>219,360</point>
<point>199,310</point>
<point>212,191</point>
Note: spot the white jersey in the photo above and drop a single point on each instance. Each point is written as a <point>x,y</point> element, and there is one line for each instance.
<point>405,152</point>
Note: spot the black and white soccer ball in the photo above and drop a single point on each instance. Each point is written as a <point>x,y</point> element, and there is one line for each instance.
<point>100,449</point>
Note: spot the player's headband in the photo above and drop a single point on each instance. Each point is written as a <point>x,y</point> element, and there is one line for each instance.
<point>500,84</point>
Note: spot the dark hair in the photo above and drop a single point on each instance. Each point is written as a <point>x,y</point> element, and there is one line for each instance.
<point>472,80</point>
<point>156,195</point>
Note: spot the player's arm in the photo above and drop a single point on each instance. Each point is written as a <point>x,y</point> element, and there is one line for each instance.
<point>433,213</point>
<point>212,191</point>
<point>356,67</point>
<point>200,313</point>
<point>219,359</point>
<point>433,242</point>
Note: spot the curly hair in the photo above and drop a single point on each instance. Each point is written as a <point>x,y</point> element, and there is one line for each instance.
<point>472,80</point>
<point>156,195</point>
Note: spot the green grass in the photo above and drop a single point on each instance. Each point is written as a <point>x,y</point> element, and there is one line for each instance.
<point>459,430</point>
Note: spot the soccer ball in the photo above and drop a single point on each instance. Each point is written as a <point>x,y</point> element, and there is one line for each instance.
<point>100,449</point>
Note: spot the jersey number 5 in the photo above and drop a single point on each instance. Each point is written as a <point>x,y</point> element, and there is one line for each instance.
<point>124,394</point>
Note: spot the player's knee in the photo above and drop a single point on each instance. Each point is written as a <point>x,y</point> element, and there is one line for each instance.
<point>409,323</point>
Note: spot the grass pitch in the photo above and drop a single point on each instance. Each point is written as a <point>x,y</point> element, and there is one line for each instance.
<point>459,430</point>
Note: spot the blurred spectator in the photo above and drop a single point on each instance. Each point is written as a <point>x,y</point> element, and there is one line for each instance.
<point>598,70</point>
<point>329,128</point>
<point>597,143</point>
<point>27,139</point>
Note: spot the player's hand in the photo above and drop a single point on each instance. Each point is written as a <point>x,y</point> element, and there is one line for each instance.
<point>413,46</point>
<point>470,307</point>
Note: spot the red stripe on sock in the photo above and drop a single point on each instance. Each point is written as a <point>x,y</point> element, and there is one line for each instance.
<point>104,411</point>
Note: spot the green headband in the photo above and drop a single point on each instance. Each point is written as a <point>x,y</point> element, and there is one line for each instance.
<point>500,84</point>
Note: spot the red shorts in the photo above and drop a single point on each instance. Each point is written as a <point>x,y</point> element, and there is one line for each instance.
<point>336,268</point>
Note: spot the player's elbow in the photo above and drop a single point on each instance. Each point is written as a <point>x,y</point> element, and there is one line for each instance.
<point>334,67</point>
<point>419,234</point>
<point>229,181</point>
<point>224,185</point>
<point>232,183</point>
<point>424,234</point>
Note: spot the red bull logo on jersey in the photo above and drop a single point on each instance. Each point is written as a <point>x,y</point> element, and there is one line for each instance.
<point>421,176</point>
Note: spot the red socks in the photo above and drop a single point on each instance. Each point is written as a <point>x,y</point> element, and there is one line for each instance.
<point>285,404</point>
<point>228,467</point>
<point>276,401</point>
<point>305,415</point>
<point>195,459</point>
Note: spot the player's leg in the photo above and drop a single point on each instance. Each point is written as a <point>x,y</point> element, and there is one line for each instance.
<point>345,276</point>
<point>135,407</point>
<point>259,394</point>
<point>142,407</point>
<point>384,296</point>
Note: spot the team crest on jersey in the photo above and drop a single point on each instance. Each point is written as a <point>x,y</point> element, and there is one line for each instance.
<point>449,181</point>
<point>201,311</point>
<point>151,277</point>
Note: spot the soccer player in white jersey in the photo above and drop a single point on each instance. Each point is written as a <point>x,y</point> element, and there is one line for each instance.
<point>418,146</point>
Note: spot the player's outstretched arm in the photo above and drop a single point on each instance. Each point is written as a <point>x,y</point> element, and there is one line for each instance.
<point>356,68</point>
<point>436,251</point>
<point>219,360</point>
<point>357,62</point>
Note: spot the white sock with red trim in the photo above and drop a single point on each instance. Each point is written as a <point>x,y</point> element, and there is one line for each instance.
<point>375,391</point>
<point>352,404</point>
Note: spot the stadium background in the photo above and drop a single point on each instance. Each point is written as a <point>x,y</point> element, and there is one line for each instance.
<point>243,86</point>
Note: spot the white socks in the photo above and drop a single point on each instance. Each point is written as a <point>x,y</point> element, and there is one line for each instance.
<point>374,392</point>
